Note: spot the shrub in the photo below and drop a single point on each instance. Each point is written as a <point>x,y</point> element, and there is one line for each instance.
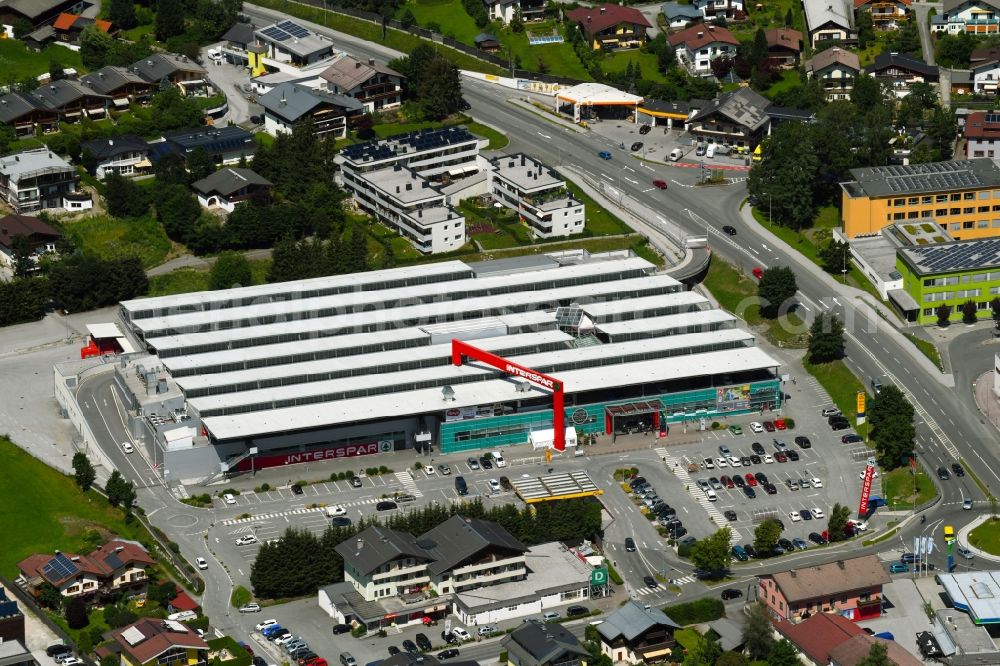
<point>76,615</point>
<point>265,486</point>
<point>174,547</point>
<point>301,484</point>
<point>384,470</point>
<point>789,423</point>
<point>693,612</point>
<point>359,631</point>
<point>231,491</point>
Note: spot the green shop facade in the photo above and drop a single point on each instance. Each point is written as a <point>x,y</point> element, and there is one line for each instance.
<point>950,274</point>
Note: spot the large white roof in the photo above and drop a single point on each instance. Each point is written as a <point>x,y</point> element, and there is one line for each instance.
<point>422,401</point>
<point>597,93</point>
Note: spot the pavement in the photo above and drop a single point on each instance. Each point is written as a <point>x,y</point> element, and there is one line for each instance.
<point>229,78</point>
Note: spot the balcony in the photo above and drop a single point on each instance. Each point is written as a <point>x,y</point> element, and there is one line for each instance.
<point>401,572</point>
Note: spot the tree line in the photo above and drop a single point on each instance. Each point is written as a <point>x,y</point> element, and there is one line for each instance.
<point>301,562</point>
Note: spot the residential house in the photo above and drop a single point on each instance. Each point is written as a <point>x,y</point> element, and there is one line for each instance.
<point>68,26</point>
<point>536,644</point>
<point>237,39</point>
<point>731,10</point>
<point>700,44</point>
<point>982,134</point>
<point>484,41</point>
<point>119,565</point>
<point>784,46</point>
<point>505,10</point>
<point>121,84</point>
<point>680,16</point>
<point>11,619</point>
<point>836,69</point>
<point>635,633</point>
<point>886,14</point>
<point>830,639</point>
<point>977,17</point>
<point>35,12</point>
<point>27,114</point>
<point>156,642</point>
<point>849,587</point>
<point>737,118</point>
<point>70,100</point>
<point>40,236</point>
<point>177,69</point>
<point>34,180</point>
<point>227,187</point>
<point>38,39</point>
<point>468,553</point>
<point>382,562</point>
<point>288,42</point>
<point>611,26</point>
<point>538,195</point>
<point>126,155</point>
<point>984,63</point>
<point>961,82</point>
<point>288,103</point>
<point>376,86</point>
<point>827,20</point>
<point>901,72</point>
<point>225,145</point>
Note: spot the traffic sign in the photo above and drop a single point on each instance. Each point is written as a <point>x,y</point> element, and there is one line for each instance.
<point>599,576</point>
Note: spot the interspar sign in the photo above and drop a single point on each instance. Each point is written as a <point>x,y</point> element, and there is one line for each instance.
<point>349,451</point>
<point>530,375</point>
<point>866,489</point>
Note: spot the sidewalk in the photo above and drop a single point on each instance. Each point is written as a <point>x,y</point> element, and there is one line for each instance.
<point>986,399</point>
<point>861,299</point>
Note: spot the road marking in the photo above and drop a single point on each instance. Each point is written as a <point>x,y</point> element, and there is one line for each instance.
<point>634,182</point>
<point>628,168</point>
<point>649,189</point>
<point>649,167</point>
<point>604,175</point>
<point>544,136</point>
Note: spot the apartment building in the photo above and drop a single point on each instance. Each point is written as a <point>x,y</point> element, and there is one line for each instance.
<point>450,151</point>
<point>36,179</point>
<point>851,588</point>
<point>538,195</point>
<point>963,196</point>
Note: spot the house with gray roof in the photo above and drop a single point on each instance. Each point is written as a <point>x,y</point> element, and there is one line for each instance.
<point>958,16</point>
<point>177,69</point>
<point>228,187</point>
<point>34,180</point>
<point>469,553</point>
<point>36,12</point>
<point>225,145</point>
<point>121,84</point>
<point>537,644</point>
<point>289,103</point>
<point>26,114</point>
<point>678,16</point>
<point>289,42</point>
<point>636,633</point>
<point>240,36</point>
<point>737,118</point>
<point>380,562</point>
<point>836,69</point>
<point>828,20</point>
<point>71,100</point>
<point>126,155</point>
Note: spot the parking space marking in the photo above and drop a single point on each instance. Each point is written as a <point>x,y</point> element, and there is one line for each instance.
<point>409,485</point>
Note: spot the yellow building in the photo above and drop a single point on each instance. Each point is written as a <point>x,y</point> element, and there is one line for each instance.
<point>962,196</point>
<point>611,26</point>
<point>158,642</point>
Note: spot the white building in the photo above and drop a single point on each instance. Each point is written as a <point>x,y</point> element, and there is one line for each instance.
<point>288,42</point>
<point>431,153</point>
<point>538,194</point>
<point>36,179</point>
<point>699,45</point>
<point>126,155</point>
<point>977,16</point>
<point>410,204</point>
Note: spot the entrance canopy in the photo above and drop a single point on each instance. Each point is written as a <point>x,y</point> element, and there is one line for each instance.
<point>546,439</point>
<point>594,96</point>
<point>635,408</point>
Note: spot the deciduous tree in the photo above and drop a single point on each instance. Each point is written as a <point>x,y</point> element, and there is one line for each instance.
<point>122,14</point>
<point>835,256</point>
<point>826,338</point>
<point>169,19</point>
<point>713,554</point>
<point>765,536</point>
<point>231,269</point>
<point>757,637</point>
<point>878,655</point>
<point>21,250</point>
<point>124,198</point>
<point>783,179</point>
<point>775,290</point>
<point>83,472</point>
<point>890,415</point>
<point>783,654</point>
<point>839,515</point>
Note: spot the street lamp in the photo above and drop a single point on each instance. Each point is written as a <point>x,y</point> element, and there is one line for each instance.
<point>769,209</point>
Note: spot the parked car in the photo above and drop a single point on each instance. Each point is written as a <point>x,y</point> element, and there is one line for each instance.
<point>341,629</point>
<point>898,567</point>
<point>296,489</point>
<point>731,593</point>
<point>739,553</point>
<point>57,649</point>
<point>793,455</point>
<point>386,505</point>
<point>250,608</point>
<point>229,499</point>
<point>473,464</point>
<point>817,513</point>
<point>573,611</point>
<point>449,653</point>
<point>736,429</point>
<point>636,146</point>
<point>444,469</point>
<point>261,626</point>
<point>355,481</point>
<point>803,442</point>
<point>423,642</point>
<point>831,411</point>
<point>800,543</point>
<point>851,439</point>
<point>410,646</point>
<point>794,516</point>
<point>462,634</point>
<point>769,426</point>
<point>393,650</point>
<point>644,129</point>
<point>246,540</point>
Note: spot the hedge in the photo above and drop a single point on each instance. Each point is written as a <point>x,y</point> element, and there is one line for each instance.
<point>693,612</point>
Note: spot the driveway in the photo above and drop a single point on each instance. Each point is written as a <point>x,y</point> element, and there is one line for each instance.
<point>920,10</point>
<point>229,79</point>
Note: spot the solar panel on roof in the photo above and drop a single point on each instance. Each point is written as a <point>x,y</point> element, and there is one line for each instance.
<point>293,29</point>
<point>276,34</point>
<point>59,567</point>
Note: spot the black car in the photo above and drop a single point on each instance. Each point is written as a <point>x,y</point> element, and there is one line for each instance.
<point>786,544</point>
<point>731,593</point>
<point>259,661</point>
<point>386,505</point>
<point>57,649</point>
<point>758,448</point>
<point>450,653</point>
<point>738,481</point>
<point>730,514</point>
<point>423,642</point>
<point>677,532</point>
<point>770,489</point>
<point>409,645</point>
<point>806,514</point>
<point>573,611</point>
<point>803,442</point>
<point>793,456</point>
<point>649,581</point>
<point>355,481</point>
<point>645,129</point>
<point>672,523</point>
<point>340,521</point>
<point>486,463</point>
<point>257,120</point>
<point>749,492</point>
<point>393,650</point>
<point>629,545</point>
<point>851,439</point>
<point>296,489</point>
<point>636,146</point>
<point>840,425</point>
<point>943,474</point>
<point>957,469</point>
<point>636,480</point>
<point>750,550</point>
<point>729,230</point>
<point>817,538</point>
<point>761,477</point>
<point>341,629</point>
<point>449,638</point>
<point>755,459</point>
<point>745,461</point>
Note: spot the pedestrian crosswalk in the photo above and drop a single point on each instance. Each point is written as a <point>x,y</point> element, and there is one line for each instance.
<point>294,512</point>
<point>180,492</point>
<point>680,471</point>
<point>683,580</point>
<point>408,484</point>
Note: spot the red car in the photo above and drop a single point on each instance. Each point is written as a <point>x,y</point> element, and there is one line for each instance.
<point>750,479</point>
<point>662,184</point>
<point>727,482</point>
<point>779,424</point>
<point>758,272</point>
<point>769,426</point>
<point>780,457</point>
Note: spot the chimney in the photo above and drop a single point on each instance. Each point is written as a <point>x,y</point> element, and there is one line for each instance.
<point>371,62</point>
<point>603,9</point>
<point>357,64</point>
<point>420,212</point>
<point>161,385</point>
<point>397,189</point>
<point>409,186</point>
<point>361,544</point>
<point>119,549</point>
<point>700,34</point>
<point>588,19</point>
<point>100,75</point>
<point>840,563</point>
<point>791,572</point>
<point>522,160</point>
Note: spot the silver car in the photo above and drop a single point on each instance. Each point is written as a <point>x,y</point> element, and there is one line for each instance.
<point>703,484</point>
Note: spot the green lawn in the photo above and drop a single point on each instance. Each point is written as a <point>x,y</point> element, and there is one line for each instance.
<point>560,59</point>
<point>43,510</point>
<point>450,15</point>
<point>898,488</point>
<point>497,139</point>
<point>688,638</point>
<point>18,62</point>
<point>772,15</point>
<point>987,536</point>
<point>181,281</point>
<point>108,237</point>
<point>842,386</point>
<point>598,220</point>
<point>928,349</point>
<point>618,62</point>
<point>789,79</point>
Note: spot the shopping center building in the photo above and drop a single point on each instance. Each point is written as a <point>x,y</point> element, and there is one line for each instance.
<point>361,364</point>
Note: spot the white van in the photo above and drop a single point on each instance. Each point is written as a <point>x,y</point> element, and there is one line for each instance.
<point>711,495</point>
<point>710,151</point>
<point>676,154</point>
<point>498,459</point>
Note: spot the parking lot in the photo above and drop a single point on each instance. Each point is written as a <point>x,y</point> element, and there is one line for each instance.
<point>658,143</point>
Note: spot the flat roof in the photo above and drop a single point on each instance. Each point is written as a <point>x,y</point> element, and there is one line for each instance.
<point>360,322</point>
<point>563,485</point>
<point>423,401</point>
<point>370,281</point>
<point>104,330</point>
<point>636,305</point>
<point>887,181</point>
<point>292,37</point>
<point>425,217</point>
<point>394,181</point>
<point>261,309</point>
<point>666,322</point>
<point>440,375</point>
<point>597,93</point>
<point>411,143</point>
<point>526,173</point>
<point>958,256</point>
<point>976,592</point>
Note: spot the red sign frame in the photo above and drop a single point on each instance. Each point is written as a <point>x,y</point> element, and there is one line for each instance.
<point>866,489</point>
<point>460,349</point>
